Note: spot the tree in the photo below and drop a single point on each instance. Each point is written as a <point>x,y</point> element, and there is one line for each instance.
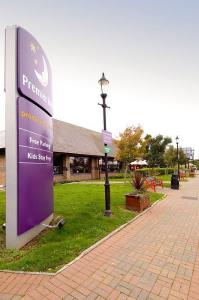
<point>183,159</point>
<point>146,145</point>
<point>129,146</point>
<point>156,150</point>
<point>196,162</point>
<point>170,156</point>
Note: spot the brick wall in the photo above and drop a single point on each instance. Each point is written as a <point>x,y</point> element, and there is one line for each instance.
<point>80,176</point>
<point>73,177</point>
<point>95,174</point>
<point>102,175</point>
<point>59,178</point>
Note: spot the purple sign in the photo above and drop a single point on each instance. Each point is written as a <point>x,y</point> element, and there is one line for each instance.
<point>33,71</point>
<point>107,137</point>
<point>35,165</point>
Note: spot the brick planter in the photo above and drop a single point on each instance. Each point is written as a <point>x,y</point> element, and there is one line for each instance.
<point>137,202</point>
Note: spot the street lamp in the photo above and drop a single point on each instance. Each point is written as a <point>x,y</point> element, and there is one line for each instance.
<point>177,142</point>
<point>103,82</point>
<point>193,156</point>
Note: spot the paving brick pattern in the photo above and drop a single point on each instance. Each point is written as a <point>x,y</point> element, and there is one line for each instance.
<point>155,257</point>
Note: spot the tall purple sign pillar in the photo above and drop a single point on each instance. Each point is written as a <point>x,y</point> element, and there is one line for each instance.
<point>29,138</point>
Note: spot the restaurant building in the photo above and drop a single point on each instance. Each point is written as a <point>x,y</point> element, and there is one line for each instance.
<point>77,154</point>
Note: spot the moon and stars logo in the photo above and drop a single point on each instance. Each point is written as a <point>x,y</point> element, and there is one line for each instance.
<point>42,76</point>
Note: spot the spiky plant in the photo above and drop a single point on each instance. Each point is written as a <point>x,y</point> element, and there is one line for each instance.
<point>137,182</point>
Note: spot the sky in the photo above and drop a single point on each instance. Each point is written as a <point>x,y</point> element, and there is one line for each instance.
<point>148,50</point>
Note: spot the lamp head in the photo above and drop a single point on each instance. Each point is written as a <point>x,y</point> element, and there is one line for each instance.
<point>103,82</point>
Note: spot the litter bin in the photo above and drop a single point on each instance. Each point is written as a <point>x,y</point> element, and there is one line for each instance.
<point>174,182</point>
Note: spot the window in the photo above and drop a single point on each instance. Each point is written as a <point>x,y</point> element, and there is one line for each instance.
<point>80,164</point>
<point>113,165</point>
<point>57,163</point>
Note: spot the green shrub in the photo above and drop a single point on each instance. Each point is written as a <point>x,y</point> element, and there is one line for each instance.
<point>117,176</point>
<point>156,171</point>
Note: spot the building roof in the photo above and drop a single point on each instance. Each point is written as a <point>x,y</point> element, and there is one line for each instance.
<point>72,139</point>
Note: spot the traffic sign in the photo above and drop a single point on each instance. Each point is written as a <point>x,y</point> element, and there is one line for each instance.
<point>107,137</point>
<point>107,149</point>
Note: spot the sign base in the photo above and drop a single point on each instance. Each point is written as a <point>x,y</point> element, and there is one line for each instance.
<point>14,241</point>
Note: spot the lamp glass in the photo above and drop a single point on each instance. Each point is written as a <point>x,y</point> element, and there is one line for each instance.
<point>103,82</point>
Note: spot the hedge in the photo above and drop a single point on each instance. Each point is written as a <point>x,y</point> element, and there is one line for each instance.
<point>156,171</point>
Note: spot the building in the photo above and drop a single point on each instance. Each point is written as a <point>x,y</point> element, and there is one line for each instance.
<point>77,153</point>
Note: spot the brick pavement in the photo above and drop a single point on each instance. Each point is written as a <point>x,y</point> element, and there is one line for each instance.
<point>155,257</point>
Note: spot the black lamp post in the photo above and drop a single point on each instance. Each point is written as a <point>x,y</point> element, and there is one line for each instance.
<point>104,86</point>
<point>177,142</point>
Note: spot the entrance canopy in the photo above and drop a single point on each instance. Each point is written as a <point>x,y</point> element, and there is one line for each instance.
<point>139,163</point>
